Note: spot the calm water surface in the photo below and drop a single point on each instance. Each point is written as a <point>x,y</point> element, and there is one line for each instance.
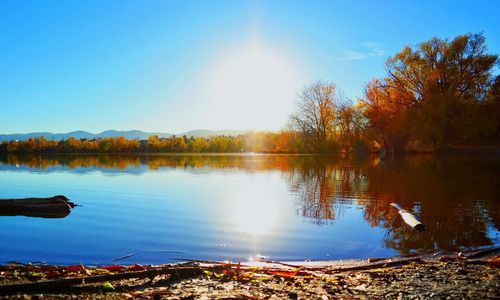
<point>235,207</point>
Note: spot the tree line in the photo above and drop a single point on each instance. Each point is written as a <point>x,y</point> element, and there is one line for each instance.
<point>262,142</point>
<point>123,145</point>
<point>438,94</point>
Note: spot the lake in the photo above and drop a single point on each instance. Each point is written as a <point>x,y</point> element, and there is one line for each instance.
<point>159,208</point>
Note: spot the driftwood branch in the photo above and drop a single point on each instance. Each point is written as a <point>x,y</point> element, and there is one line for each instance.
<point>376,265</point>
<point>54,285</point>
<point>281,263</point>
<point>483,253</point>
<point>124,256</point>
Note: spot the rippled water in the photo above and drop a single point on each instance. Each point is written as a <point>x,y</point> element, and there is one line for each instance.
<point>234,207</point>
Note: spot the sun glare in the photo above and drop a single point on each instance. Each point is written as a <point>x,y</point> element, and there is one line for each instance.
<point>251,87</point>
<point>254,213</point>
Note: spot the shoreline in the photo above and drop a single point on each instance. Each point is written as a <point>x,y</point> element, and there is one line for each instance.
<point>473,274</point>
<point>452,151</point>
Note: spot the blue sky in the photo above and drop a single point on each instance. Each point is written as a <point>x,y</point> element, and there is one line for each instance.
<point>174,66</point>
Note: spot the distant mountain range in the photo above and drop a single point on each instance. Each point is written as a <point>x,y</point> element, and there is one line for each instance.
<point>131,134</point>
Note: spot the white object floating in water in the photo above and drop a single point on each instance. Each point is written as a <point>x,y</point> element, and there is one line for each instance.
<point>409,218</point>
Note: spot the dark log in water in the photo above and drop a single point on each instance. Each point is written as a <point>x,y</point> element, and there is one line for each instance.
<point>409,218</point>
<point>54,207</point>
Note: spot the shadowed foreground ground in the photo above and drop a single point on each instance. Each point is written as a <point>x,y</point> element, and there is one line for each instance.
<point>455,276</point>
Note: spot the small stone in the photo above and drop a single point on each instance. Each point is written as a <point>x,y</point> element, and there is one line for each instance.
<point>462,271</point>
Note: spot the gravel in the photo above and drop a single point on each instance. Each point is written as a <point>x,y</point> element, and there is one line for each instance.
<point>418,280</point>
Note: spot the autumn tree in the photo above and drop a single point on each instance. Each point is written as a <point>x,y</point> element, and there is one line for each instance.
<point>494,91</point>
<point>315,117</point>
<point>439,86</point>
<point>387,110</point>
<point>154,143</point>
<point>445,77</point>
<point>351,128</point>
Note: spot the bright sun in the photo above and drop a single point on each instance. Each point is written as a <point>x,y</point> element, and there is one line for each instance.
<point>251,87</point>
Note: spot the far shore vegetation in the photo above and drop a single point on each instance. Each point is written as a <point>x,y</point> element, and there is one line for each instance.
<point>437,95</point>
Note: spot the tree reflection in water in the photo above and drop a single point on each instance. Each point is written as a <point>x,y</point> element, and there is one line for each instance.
<point>456,197</point>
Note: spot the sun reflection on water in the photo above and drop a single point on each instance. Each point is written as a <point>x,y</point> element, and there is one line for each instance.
<point>254,212</point>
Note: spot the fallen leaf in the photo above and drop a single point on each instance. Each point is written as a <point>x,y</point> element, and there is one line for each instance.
<point>285,273</point>
<point>108,286</point>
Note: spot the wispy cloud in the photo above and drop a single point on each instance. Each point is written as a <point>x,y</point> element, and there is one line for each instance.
<point>375,49</point>
<point>353,55</point>
<point>364,51</point>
